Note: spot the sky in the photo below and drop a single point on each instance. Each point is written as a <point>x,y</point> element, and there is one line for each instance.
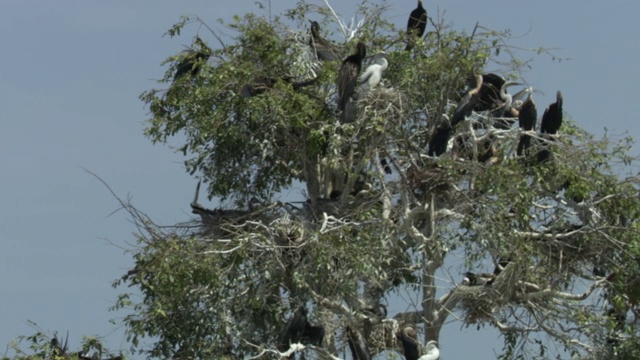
<point>70,77</point>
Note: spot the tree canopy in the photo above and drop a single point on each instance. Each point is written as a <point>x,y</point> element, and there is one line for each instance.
<point>334,212</point>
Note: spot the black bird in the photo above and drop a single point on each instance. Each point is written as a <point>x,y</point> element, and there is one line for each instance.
<point>294,329</point>
<point>552,117</point>
<point>348,76</point>
<point>313,334</point>
<point>489,93</point>
<point>325,49</point>
<point>439,139</point>
<point>468,102</point>
<point>527,118</point>
<point>416,25</point>
<point>357,345</point>
<point>192,60</point>
<point>409,340</point>
<point>299,330</point>
<point>550,124</point>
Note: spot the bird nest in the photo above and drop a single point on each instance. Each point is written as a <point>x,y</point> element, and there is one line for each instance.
<point>381,103</point>
<point>480,302</point>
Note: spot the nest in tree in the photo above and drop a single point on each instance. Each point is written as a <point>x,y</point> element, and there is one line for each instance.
<point>481,302</point>
<point>386,105</point>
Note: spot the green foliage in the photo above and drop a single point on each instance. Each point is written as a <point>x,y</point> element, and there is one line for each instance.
<point>41,346</point>
<point>259,119</point>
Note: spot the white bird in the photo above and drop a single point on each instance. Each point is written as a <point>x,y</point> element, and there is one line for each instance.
<point>431,351</point>
<point>373,74</point>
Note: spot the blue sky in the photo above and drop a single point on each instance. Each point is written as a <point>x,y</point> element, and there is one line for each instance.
<point>70,76</point>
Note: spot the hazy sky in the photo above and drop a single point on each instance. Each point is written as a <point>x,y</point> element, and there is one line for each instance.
<point>70,76</point>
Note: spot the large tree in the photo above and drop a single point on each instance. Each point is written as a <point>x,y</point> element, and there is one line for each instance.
<point>338,211</point>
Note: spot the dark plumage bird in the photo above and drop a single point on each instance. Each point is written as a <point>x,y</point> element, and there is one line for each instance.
<point>416,25</point>
<point>357,345</point>
<point>299,330</point>
<point>325,49</point>
<point>550,124</point>
<point>468,102</point>
<point>527,118</point>
<point>348,76</point>
<point>552,117</point>
<point>294,329</point>
<point>409,340</point>
<point>489,92</point>
<point>192,60</point>
<point>440,139</point>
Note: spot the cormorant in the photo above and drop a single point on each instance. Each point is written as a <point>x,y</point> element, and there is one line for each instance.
<point>416,25</point>
<point>489,92</point>
<point>373,74</point>
<point>348,76</point>
<point>408,338</point>
<point>325,49</point>
<point>468,102</point>
<point>192,60</point>
<point>440,138</point>
<point>357,345</point>
<point>550,124</point>
<point>527,117</point>
<point>552,117</point>
<point>294,329</point>
<point>299,330</point>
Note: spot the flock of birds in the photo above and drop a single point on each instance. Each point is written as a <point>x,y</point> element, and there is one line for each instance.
<point>487,95</point>
<point>298,330</point>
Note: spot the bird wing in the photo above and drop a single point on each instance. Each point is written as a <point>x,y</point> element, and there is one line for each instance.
<point>544,123</point>
<point>347,83</point>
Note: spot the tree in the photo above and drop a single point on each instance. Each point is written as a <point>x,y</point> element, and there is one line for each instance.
<point>44,346</point>
<point>557,233</point>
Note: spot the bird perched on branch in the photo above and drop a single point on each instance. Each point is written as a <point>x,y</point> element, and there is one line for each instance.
<point>408,338</point>
<point>527,118</point>
<point>192,60</point>
<point>416,25</point>
<point>468,102</point>
<point>373,74</point>
<point>552,117</point>
<point>357,345</point>
<point>550,124</point>
<point>299,330</point>
<point>325,49</point>
<point>348,77</point>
